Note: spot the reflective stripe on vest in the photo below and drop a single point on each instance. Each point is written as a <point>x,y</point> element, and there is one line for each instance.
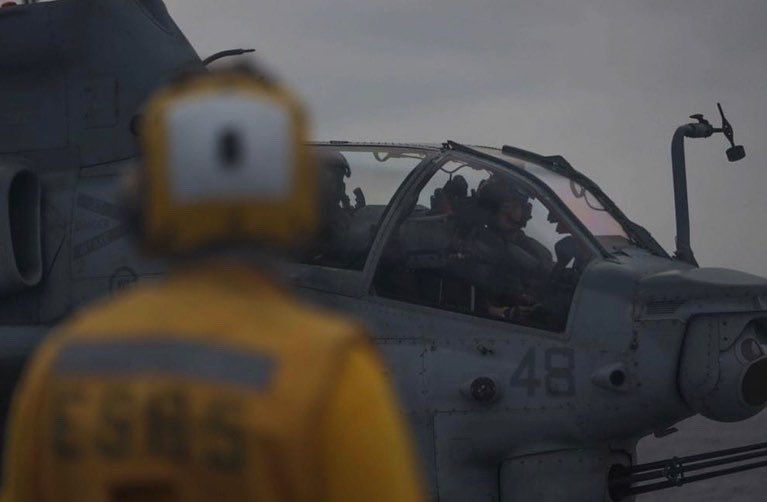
<point>169,357</point>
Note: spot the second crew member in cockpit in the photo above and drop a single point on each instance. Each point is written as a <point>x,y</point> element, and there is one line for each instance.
<point>512,266</point>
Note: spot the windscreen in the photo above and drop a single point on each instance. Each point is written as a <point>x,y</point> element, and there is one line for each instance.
<point>581,201</point>
<point>357,185</point>
<point>584,205</point>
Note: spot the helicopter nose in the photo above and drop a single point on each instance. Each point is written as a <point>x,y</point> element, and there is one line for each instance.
<point>723,368</point>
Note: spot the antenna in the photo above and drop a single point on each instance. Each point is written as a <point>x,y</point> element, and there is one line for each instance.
<point>226,54</point>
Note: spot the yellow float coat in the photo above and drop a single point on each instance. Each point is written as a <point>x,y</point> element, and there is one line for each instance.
<point>212,385</point>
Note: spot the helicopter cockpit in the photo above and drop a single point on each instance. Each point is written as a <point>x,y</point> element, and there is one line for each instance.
<point>477,241</point>
<point>432,228</point>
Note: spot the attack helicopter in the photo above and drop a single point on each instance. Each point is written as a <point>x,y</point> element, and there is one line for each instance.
<point>534,332</point>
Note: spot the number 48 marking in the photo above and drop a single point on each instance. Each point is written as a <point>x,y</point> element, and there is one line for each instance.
<point>559,364</point>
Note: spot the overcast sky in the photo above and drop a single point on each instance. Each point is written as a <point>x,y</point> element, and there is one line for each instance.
<point>602,82</point>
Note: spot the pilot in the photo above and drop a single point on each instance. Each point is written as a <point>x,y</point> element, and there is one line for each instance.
<point>334,169</point>
<point>335,210</point>
<point>214,383</point>
<point>515,264</point>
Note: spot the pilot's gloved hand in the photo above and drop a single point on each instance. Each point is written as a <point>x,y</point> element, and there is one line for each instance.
<point>524,314</point>
<point>499,312</point>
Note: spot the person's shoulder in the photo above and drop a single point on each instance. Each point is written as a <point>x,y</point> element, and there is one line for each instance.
<point>486,232</point>
<point>98,319</point>
<point>112,310</point>
<point>522,237</point>
<point>258,300</point>
<point>227,306</point>
<point>532,241</point>
<point>323,320</point>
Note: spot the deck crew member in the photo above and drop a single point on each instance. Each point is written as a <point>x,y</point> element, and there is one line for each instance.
<point>214,383</point>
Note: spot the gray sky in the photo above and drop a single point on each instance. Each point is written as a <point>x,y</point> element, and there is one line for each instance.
<point>602,82</point>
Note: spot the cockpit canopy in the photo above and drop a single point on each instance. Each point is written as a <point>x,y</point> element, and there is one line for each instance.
<point>471,231</point>
<point>587,203</point>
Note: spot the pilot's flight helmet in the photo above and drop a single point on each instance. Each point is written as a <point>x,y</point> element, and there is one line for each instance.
<point>333,168</point>
<point>334,162</point>
<point>225,161</point>
<point>496,190</point>
<point>456,187</point>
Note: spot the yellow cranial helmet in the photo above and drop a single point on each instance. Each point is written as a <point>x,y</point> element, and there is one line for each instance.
<point>225,161</point>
